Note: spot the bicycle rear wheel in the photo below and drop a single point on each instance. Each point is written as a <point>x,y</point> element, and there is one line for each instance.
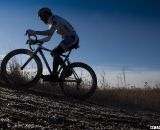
<point>15,75</point>
<point>81,83</point>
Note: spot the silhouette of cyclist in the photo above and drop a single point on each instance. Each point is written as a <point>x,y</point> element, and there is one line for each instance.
<point>69,41</point>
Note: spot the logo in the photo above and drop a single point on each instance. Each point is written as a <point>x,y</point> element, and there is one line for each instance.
<point>155,127</point>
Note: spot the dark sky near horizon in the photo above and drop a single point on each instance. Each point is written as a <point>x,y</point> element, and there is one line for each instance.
<point>141,8</point>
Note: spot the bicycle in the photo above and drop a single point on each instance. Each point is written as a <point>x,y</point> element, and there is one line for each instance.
<point>22,68</point>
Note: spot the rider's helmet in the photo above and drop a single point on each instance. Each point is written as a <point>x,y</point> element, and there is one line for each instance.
<point>44,14</point>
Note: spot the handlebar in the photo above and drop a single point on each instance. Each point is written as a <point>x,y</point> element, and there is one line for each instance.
<point>32,41</point>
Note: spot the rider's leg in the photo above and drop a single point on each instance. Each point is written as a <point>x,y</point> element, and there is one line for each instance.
<point>57,59</point>
<point>64,46</point>
<point>68,44</point>
<point>56,62</point>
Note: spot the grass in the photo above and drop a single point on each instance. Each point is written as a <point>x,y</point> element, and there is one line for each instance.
<point>147,98</point>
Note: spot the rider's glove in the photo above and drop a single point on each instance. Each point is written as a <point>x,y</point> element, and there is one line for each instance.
<point>30,32</point>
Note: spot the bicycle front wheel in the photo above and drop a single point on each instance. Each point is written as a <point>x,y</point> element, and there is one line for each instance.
<point>78,81</point>
<point>19,70</point>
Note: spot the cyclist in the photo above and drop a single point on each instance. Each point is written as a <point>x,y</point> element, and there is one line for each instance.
<point>69,41</point>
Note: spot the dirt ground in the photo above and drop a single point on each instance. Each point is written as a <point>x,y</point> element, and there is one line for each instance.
<point>36,111</point>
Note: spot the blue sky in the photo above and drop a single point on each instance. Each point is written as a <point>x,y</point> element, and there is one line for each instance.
<point>114,33</point>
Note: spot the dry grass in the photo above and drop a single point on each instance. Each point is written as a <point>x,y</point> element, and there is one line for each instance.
<point>148,98</point>
<point>131,97</point>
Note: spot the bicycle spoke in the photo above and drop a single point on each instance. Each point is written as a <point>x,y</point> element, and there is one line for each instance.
<point>15,71</point>
<point>81,83</point>
<point>20,69</point>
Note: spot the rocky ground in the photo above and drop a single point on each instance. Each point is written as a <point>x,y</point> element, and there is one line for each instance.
<point>35,110</point>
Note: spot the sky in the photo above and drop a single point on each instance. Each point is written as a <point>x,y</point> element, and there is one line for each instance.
<point>115,35</point>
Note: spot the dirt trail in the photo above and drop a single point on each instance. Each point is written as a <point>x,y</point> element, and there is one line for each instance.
<point>33,110</point>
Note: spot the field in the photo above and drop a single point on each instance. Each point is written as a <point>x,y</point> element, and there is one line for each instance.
<point>45,107</point>
<point>41,110</point>
<point>147,98</point>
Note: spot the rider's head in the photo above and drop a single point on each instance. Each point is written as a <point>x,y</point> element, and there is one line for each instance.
<point>45,14</point>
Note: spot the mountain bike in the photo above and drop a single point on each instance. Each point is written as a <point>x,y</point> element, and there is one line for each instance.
<point>22,68</point>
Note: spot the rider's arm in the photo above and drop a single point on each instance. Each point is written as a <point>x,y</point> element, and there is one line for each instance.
<point>44,33</point>
<point>45,39</point>
<point>47,33</point>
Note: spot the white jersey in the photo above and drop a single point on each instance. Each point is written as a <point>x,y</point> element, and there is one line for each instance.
<point>60,25</point>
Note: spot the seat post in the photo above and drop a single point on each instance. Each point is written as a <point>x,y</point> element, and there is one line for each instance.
<point>66,56</point>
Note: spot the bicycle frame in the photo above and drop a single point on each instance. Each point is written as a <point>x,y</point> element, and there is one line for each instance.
<point>39,49</point>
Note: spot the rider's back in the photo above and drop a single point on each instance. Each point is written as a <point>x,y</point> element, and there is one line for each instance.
<point>62,26</point>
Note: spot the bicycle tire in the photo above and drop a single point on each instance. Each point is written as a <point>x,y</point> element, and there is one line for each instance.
<point>89,70</point>
<point>14,53</point>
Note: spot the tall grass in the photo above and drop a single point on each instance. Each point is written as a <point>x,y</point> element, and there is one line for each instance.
<point>146,97</point>
<point>14,72</point>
